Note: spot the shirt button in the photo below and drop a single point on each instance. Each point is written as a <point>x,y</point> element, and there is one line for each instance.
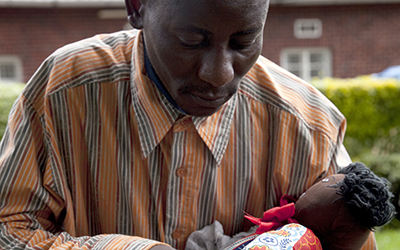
<point>176,235</point>
<point>181,172</point>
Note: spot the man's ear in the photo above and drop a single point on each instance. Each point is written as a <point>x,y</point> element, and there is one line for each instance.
<point>134,18</point>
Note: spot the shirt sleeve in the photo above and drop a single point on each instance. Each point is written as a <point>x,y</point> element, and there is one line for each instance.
<point>341,157</point>
<point>33,212</point>
<point>370,244</point>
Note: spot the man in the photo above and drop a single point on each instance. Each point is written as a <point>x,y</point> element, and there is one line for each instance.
<point>131,139</point>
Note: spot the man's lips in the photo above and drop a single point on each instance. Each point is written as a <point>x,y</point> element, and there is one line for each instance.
<point>209,101</point>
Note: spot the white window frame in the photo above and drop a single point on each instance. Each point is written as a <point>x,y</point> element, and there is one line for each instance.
<point>310,28</point>
<point>305,66</point>
<point>17,63</point>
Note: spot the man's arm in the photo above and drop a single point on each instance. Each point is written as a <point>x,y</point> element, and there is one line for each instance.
<point>33,210</point>
<point>341,157</point>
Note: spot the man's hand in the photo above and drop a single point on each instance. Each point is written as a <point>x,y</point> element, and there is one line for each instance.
<point>162,247</point>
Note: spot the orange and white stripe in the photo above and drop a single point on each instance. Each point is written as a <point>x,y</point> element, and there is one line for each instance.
<point>95,157</point>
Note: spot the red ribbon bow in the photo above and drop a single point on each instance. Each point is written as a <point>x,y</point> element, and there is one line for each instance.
<point>275,217</point>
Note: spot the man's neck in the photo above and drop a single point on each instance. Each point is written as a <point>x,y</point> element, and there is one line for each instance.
<point>154,77</point>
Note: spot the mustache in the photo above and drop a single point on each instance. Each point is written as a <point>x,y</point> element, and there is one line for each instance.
<point>204,88</point>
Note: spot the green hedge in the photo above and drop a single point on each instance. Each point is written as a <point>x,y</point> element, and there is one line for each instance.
<point>371,106</point>
<point>8,95</point>
<point>372,109</point>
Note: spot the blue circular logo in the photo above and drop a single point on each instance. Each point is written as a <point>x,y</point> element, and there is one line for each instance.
<point>268,240</point>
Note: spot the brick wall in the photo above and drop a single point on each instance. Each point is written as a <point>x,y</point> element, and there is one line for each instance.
<point>34,34</point>
<point>364,39</point>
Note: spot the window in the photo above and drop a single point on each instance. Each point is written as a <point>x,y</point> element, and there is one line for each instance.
<point>114,14</point>
<point>307,28</point>
<point>307,63</point>
<point>127,26</point>
<point>10,69</point>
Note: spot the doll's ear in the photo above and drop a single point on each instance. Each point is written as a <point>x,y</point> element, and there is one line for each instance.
<point>133,11</point>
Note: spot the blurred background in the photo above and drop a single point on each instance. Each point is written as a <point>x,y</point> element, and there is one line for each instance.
<point>349,49</point>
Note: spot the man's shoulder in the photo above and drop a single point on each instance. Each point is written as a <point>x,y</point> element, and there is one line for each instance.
<point>102,58</point>
<point>267,82</point>
<point>114,46</point>
<point>106,42</point>
<point>274,86</point>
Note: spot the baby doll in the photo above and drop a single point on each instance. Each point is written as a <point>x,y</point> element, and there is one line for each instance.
<point>341,210</point>
<point>338,213</point>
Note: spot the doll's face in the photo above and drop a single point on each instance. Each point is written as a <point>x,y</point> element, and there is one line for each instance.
<point>321,210</point>
<point>323,189</point>
<point>318,206</point>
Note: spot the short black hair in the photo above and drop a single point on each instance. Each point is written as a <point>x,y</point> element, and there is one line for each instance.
<point>367,195</point>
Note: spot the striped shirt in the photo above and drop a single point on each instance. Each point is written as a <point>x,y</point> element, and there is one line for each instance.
<point>95,157</point>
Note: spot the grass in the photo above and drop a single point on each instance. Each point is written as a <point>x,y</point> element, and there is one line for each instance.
<point>388,236</point>
<point>388,239</point>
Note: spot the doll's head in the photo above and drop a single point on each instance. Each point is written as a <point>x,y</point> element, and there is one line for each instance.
<point>342,209</point>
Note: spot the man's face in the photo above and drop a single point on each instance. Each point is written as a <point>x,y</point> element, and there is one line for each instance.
<point>201,49</point>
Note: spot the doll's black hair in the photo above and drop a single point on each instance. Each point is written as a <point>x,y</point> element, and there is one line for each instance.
<point>367,195</point>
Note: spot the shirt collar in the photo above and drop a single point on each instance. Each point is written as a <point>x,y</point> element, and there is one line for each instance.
<point>156,115</point>
<point>215,130</point>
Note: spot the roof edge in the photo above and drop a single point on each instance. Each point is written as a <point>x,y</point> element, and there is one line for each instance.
<point>61,3</point>
<point>120,3</point>
<point>329,2</point>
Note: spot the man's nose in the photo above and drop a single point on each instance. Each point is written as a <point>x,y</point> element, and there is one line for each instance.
<point>216,67</point>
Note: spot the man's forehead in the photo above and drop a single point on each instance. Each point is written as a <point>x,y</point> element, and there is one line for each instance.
<point>215,2</point>
<point>247,7</point>
<point>208,13</point>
